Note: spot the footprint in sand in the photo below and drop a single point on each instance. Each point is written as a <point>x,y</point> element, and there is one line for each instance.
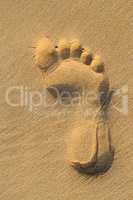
<point>69,66</point>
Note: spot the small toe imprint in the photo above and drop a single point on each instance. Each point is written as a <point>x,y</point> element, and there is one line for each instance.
<point>75,49</point>
<point>97,64</point>
<point>86,57</point>
<point>64,49</point>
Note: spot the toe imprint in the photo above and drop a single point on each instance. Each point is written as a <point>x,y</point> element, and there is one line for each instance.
<point>47,55</point>
<point>64,49</point>
<point>86,57</point>
<point>97,64</point>
<point>75,49</point>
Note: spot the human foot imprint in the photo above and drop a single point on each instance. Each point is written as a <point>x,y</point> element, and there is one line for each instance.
<point>70,67</point>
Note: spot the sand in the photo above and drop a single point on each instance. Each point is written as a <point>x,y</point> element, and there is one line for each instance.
<point>32,143</point>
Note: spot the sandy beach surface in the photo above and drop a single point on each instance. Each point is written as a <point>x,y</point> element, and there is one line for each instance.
<point>32,142</point>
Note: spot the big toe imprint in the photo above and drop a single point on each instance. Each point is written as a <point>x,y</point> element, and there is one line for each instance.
<point>68,66</point>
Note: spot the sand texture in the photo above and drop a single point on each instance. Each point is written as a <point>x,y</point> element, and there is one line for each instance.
<point>33,139</point>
